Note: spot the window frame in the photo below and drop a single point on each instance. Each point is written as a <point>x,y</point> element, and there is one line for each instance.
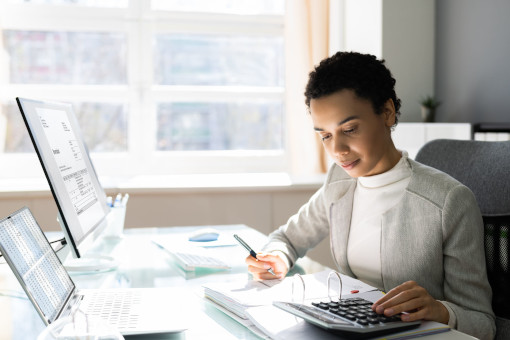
<point>140,23</point>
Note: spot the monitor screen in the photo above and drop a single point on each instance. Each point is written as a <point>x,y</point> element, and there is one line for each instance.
<point>64,157</point>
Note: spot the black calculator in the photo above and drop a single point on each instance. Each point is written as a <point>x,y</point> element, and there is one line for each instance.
<point>352,317</point>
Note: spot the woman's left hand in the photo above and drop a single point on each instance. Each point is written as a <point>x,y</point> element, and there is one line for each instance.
<point>413,299</point>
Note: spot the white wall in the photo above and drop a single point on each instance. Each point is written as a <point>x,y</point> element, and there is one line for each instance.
<point>403,33</point>
<point>408,48</point>
<point>363,26</point>
<point>473,51</point>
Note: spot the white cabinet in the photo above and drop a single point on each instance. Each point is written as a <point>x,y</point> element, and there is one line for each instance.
<point>412,136</point>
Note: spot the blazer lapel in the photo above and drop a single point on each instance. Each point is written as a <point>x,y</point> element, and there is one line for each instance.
<point>340,222</point>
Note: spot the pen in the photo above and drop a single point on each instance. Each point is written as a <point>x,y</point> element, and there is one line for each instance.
<point>252,252</point>
<point>116,203</point>
<point>124,200</point>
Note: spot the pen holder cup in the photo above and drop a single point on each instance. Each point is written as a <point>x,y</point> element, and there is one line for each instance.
<point>115,221</point>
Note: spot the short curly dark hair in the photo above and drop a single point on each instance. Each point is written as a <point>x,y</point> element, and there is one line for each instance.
<point>368,77</point>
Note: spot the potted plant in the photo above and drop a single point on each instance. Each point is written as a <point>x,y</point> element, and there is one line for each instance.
<point>428,108</point>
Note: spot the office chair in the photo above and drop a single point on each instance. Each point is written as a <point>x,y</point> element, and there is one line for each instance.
<point>484,167</point>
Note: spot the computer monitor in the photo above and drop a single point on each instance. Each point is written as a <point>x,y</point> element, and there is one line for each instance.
<point>64,157</point>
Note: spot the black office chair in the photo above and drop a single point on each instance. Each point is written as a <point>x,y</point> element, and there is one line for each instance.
<point>484,167</point>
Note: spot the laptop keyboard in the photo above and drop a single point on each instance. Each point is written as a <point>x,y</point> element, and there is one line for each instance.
<point>120,309</point>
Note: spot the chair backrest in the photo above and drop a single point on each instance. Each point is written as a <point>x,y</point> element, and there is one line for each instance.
<point>484,167</point>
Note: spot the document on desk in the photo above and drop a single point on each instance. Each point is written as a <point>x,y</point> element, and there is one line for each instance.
<point>238,296</point>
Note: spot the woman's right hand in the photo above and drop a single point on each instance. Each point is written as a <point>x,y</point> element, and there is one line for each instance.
<point>258,267</point>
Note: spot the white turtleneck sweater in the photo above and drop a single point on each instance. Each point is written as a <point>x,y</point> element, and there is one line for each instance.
<point>374,195</point>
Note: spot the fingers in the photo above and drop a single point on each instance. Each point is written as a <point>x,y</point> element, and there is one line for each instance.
<point>412,300</point>
<point>395,292</point>
<point>250,261</point>
<point>259,267</point>
<point>402,298</point>
<point>262,257</point>
<point>410,306</point>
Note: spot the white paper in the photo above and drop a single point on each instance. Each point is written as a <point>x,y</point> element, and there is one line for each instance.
<point>281,325</point>
<point>71,164</point>
<point>258,293</point>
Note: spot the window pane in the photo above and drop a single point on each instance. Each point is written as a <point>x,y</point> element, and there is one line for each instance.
<point>89,3</point>
<point>14,131</point>
<point>66,57</point>
<point>185,59</point>
<point>222,6</point>
<point>220,126</point>
<point>103,125</point>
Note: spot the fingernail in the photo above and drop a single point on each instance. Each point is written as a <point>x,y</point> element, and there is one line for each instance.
<point>389,312</point>
<point>379,310</point>
<point>266,266</point>
<point>404,317</point>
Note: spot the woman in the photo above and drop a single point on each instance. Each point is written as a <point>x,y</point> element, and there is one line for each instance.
<point>401,226</point>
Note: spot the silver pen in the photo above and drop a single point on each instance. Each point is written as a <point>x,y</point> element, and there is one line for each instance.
<point>251,251</point>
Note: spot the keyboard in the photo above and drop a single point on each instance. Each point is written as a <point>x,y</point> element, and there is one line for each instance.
<point>190,262</point>
<point>351,317</point>
<point>119,309</point>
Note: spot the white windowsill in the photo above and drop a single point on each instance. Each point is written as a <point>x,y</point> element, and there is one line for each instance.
<point>175,184</point>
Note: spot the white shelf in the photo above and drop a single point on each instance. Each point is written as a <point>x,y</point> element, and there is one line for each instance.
<point>412,136</point>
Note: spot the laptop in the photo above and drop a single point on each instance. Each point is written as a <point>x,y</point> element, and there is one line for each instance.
<point>132,311</point>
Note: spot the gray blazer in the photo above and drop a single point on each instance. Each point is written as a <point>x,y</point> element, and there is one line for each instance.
<point>433,236</point>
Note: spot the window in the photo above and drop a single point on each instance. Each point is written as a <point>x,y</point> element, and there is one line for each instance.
<point>159,87</point>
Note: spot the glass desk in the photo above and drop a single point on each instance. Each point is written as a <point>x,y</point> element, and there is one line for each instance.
<point>144,264</point>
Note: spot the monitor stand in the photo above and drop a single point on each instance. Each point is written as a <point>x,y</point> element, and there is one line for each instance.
<point>88,264</point>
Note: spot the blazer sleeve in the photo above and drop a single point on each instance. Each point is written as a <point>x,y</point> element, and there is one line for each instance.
<point>303,231</point>
<point>466,287</point>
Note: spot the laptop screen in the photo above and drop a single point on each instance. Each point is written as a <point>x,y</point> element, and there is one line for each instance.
<point>35,264</point>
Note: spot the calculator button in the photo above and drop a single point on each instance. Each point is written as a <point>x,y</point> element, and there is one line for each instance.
<point>373,321</point>
<point>350,317</point>
<point>385,319</point>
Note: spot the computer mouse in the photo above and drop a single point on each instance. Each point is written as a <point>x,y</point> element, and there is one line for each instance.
<point>204,235</point>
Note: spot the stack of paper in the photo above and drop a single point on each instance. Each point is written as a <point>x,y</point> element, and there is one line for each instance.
<point>280,325</point>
